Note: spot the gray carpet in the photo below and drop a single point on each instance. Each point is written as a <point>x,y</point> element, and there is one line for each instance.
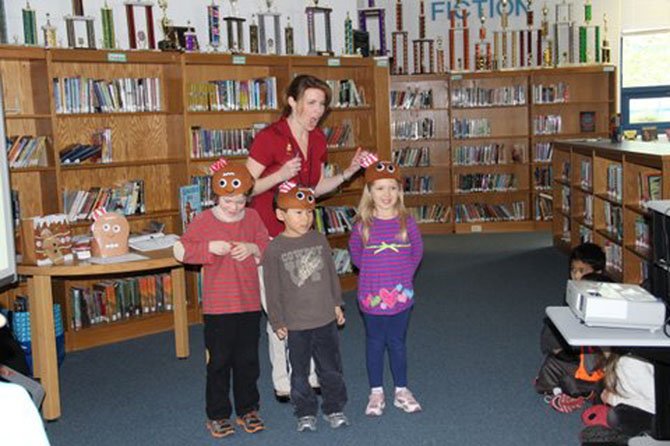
<point>473,352</point>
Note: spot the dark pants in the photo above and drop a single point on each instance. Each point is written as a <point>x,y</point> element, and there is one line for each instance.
<point>386,333</point>
<point>232,343</point>
<point>630,420</point>
<point>322,344</point>
<point>557,372</point>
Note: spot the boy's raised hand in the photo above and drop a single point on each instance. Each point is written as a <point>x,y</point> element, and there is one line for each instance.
<point>281,333</point>
<point>339,316</point>
<point>219,248</point>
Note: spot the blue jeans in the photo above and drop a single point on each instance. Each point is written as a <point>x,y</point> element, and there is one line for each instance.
<point>322,344</point>
<point>386,333</point>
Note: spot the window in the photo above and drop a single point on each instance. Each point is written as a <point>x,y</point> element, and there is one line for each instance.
<point>645,79</point>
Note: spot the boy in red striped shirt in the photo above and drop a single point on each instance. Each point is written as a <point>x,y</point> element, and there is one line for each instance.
<point>227,240</point>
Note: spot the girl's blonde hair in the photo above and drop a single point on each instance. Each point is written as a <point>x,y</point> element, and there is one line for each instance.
<point>366,212</point>
<point>611,379</point>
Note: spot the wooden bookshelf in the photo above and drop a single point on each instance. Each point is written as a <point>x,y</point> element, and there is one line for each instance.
<point>512,128</point>
<point>613,178</point>
<point>155,146</point>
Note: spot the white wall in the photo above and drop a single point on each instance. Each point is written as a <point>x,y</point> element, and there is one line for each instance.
<point>645,14</point>
<point>180,11</point>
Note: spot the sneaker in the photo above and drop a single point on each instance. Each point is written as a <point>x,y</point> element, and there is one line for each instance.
<point>565,403</point>
<point>251,422</point>
<point>220,428</point>
<point>336,419</point>
<point>282,397</point>
<point>376,404</point>
<point>307,423</point>
<point>405,400</point>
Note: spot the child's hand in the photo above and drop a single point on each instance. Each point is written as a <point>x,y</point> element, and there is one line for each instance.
<point>219,248</point>
<point>281,333</point>
<point>242,250</point>
<point>604,396</point>
<point>339,316</point>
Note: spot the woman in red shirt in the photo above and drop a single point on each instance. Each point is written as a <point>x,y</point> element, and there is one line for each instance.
<point>293,148</point>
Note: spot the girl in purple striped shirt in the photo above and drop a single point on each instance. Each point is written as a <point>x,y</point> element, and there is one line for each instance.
<point>386,247</point>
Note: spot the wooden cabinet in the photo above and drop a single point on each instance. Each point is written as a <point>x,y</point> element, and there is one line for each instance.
<point>56,93</point>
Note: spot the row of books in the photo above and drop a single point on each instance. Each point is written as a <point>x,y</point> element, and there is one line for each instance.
<point>542,152</point>
<point>544,207</point>
<point>27,151</point>
<point>463,128</point>
<point>127,199</point>
<point>341,135</point>
<point>486,182</point>
<point>119,299</point>
<point>334,219</point>
<point>642,235</point>
<point>649,186</point>
<point>206,143</point>
<point>542,177</point>
<point>99,151</point>
<point>412,157</point>
<point>546,124</point>
<point>587,214</point>
<point>551,94</point>
<point>342,260</point>
<point>345,93</point>
<point>411,99</point>
<point>613,256</point>
<point>232,95</point>
<point>565,232</point>
<point>615,181</point>
<point>489,154</point>
<point>475,96</point>
<point>565,200</point>
<point>585,235</point>
<point>16,208</point>
<point>434,213</point>
<point>86,95</point>
<point>485,212</point>
<point>418,184</point>
<point>565,171</point>
<point>614,220</point>
<point>422,128</point>
<point>204,183</point>
<point>585,178</point>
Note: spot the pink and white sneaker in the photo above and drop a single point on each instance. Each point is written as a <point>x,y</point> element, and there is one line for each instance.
<point>405,400</point>
<point>376,404</point>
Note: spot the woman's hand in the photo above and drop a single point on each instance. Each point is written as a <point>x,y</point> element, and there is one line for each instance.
<point>355,163</point>
<point>290,169</point>
<point>219,248</point>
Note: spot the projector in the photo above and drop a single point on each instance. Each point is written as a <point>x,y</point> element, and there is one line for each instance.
<point>614,305</point>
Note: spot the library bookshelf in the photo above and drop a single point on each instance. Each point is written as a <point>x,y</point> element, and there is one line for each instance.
<point>154,145</point>
<point>490,140</point>
<point>599,194</point>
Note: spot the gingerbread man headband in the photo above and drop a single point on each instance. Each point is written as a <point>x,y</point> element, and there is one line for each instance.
<point>291,196</point>
<point>230,179</point>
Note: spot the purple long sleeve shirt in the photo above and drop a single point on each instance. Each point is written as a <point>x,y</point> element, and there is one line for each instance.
<point>387,266</point>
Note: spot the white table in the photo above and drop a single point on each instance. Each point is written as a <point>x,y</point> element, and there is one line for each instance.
<point>654,346</point>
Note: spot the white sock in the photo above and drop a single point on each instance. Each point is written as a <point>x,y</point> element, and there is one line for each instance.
<point>377,390</point>
<point>398,389</point>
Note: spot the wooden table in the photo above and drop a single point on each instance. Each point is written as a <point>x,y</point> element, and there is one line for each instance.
<point>45,363</point>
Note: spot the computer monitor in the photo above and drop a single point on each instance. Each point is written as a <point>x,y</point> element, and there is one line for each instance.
<point>7,251</point>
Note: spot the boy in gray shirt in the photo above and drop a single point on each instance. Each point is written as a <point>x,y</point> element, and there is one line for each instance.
<point>304,305</point>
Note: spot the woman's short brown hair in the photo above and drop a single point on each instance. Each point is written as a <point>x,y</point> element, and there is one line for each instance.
<point>296,90</point>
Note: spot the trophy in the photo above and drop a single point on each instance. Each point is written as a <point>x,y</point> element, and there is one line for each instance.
<point>606,44</point>
<point>269,45</point>
<point>108,37</point>
<point>29,25</point>
<point>214,26</point>
<point>348,36</point>
<point>253,35</point>
<point>3,23</point>
<point>374,13</point>
<point>564,27</point>
<point>49,31</point>
<point>440,55</point>
<point>482,48</point>
<point>424,57</point>
<point>235,29</point>
<point>288,36</point>
<point>141,35</point>
<point>530,21</point>
<point>589,37</point>
<point>502,58</point>
<point>458,64</point>
<point>190,38</point>
<point>80,30</point>
<point>544,35</point>
<point>312,12</point>
<point>399,37</point>
<point>170,40</point>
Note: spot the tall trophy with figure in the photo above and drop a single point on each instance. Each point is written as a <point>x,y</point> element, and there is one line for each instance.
<point>269,30</point>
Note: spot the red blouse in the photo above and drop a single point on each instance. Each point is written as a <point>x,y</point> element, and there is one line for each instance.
<point>271,149</point>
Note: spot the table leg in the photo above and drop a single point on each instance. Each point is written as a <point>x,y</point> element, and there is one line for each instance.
<point>45,361</point>
<point>180,313</point>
